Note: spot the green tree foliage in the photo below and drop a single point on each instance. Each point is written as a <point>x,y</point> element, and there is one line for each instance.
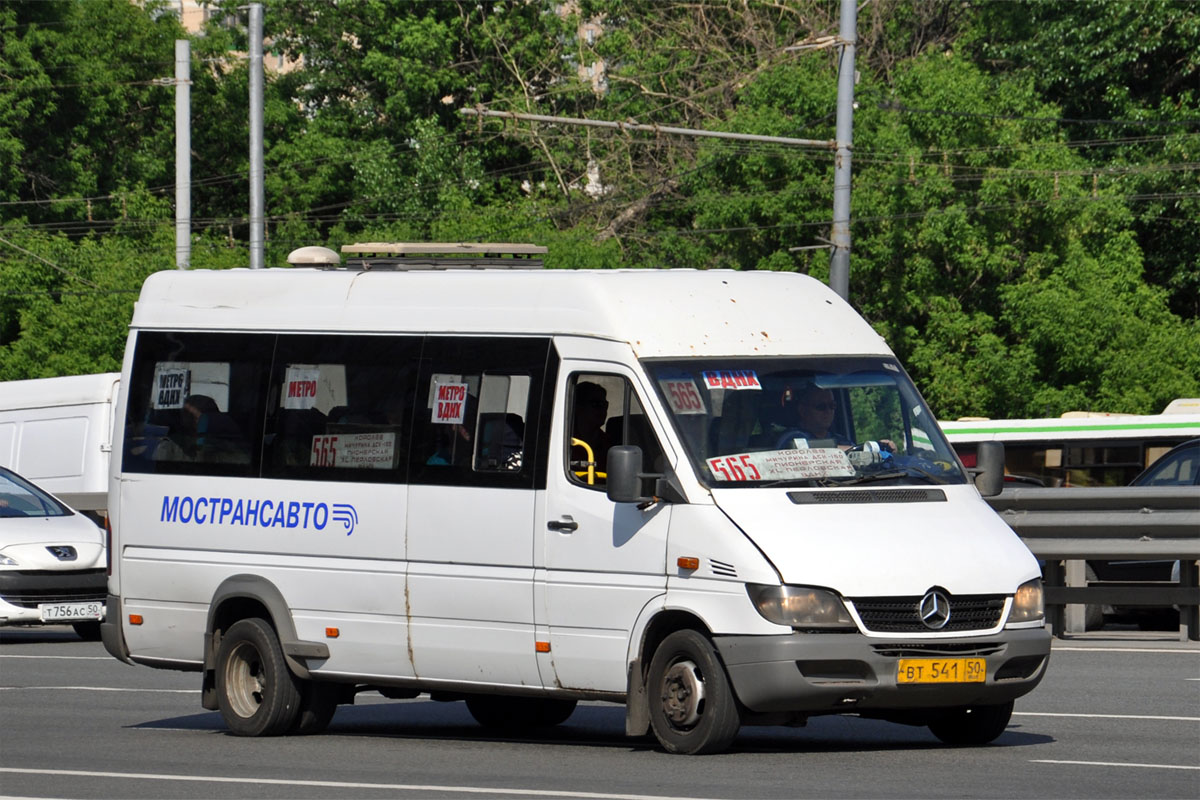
<point>65,307</point>
<point>1127,78</point>
<point>1024,195</point>
<point>76,126</point>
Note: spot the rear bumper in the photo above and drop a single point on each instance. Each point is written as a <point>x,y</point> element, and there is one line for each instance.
<point>841,673</point>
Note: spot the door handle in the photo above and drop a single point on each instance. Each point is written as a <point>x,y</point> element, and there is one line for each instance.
<point>565,524</point>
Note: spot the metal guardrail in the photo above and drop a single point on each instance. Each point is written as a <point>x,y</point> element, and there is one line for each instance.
<point>1065,527</point>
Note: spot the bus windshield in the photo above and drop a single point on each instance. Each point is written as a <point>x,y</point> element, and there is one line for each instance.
<point>804,421</point>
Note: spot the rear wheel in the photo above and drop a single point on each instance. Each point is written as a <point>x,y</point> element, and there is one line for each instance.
<point>692,708</point>
<point>257,694</point>
<point>973,725</point>
<point>519,713</point>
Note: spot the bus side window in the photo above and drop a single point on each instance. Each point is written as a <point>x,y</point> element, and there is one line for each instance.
<point>476,418</point>
<point>195,403</point>
<point>340,407</point>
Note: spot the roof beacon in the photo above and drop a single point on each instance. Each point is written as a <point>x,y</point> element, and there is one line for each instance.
<point>422,255</point>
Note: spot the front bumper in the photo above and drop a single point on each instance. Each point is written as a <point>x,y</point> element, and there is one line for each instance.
<point>21,592</point>
<point>829,673</point>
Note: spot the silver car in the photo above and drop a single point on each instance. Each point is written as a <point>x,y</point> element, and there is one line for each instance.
<point>52,561</point>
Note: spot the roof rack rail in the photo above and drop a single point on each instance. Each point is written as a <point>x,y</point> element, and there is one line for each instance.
<point>437,255</point>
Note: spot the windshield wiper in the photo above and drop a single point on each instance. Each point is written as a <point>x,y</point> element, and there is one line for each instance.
<point>891,474</point>
<point>786,481</point>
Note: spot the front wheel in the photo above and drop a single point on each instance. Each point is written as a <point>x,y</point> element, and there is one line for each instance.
<point>257,694</point>
<point>973,725</point>
<point>692,707</point>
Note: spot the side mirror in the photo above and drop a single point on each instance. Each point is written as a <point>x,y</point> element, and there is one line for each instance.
<point>625,474</point>
<point>989,470</point>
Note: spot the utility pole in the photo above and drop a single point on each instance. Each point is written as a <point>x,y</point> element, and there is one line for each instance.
<point>183,153</point>
<point>257,206</point>
<point>839,260</point>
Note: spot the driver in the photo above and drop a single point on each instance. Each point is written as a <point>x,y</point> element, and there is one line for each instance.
<point>814,409</point>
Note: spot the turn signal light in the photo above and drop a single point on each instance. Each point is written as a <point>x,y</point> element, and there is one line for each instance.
<point>541,647</point>
<point>332,633</point>
<point>135,619</point>
<point>688,562</point>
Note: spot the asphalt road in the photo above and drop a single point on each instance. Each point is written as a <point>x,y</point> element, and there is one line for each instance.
<point>1118,716</point>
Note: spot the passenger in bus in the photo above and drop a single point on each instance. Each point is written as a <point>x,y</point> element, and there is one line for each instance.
<point>587,424</point>
<point>501,442</point>
<point>294,432</point>
<point>209,433</point>
<point>454,440</point>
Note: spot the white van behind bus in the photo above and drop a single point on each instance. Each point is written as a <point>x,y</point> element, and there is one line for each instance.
<point>522,488</point>
<point>58,433</point>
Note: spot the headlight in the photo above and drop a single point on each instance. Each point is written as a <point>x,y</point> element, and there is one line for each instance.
<point>5,561</point>
<point>1028,603</point>
<point>800,606</point>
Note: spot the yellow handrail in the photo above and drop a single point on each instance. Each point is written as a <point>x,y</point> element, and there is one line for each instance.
<point>591,472</point>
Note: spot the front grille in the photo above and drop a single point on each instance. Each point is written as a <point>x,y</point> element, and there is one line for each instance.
<point>29,589</point>
<point>944,649</point>
<point>902,615</point>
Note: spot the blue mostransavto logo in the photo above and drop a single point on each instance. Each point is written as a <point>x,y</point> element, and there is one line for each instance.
<point>258,513</point>
<point>345,514</point>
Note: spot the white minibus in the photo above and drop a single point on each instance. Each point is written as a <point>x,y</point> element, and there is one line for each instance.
<point>713,496</point>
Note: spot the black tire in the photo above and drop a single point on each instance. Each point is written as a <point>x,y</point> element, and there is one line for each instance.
<point>88,631</point>
<point>973,725</point>
<point>257,694</point>
<point>692,707</point>
<point>318,702</point>
<point>518,713</point>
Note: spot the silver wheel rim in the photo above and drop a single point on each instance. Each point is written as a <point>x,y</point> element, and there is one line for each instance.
<point>682,694</point>
<point>244,680</point>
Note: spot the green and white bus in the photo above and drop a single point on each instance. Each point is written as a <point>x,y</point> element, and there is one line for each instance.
<point>1079,448</point>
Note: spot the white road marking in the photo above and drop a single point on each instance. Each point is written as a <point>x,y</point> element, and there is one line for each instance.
<point>66,658</point>
<point>96,689</point>
<point>1058,649</point>
<point>1111,764</point>
<point>406,787</point>
<point>1103,716</point>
